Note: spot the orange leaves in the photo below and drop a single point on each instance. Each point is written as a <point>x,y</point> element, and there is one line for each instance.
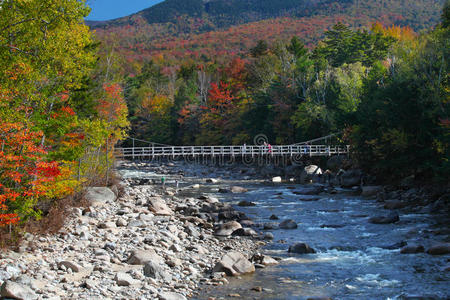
<point>400,33</point>
<point>23,169</point>
<point>220,98</point>
<point>6,219</point>
<point>68,110</point>
<point>112,105</point>
<point>237,73</point>
<point>113,110</point>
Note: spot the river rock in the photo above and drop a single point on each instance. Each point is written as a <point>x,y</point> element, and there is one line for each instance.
<point>350,178</point>
<point>273,217</point>
<point>264,260</point>
<point>371,190</point>
<point>159,207</point>
<point>170,296</point>
<point>246,203</point>
<point>238,189</point>
<point>211,180</point>
<point>395,246</point>
<point>391,218</point>
<point>394,204</point>
<point>288,224</point>
<point>301,248</point>
<point>270,225</point>
<point>244,232</point>
<point>13,290</point>
<point>247,223</point>
<point>155,270</point>
<point>411,249</point>
<point>234,263</point>
<point>70,265</point>
<point>439,249</point>
<point>192,231</point>
<point>313,190</point>
<point>140,257</point>
<point>97,196</point>
<point>223,190</point>
<point>227,229</point>
<point>276,179</point>
<point>309,173</point>
<point>124,279</point>
<point>307,198</point>
<point>268,236</point>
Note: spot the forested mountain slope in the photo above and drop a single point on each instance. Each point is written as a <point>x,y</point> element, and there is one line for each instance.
<point>177,29</point>
<point>217,14</point>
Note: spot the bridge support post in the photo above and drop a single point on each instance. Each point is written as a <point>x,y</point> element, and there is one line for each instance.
<point>133,147</point>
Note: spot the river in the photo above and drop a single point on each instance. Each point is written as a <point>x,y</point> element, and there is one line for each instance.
<point>352,259</point>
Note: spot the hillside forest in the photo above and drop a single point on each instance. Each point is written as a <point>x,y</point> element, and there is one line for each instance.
<point>67,96</point>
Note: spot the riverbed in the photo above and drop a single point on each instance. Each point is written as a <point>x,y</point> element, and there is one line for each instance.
<point>355,259</point>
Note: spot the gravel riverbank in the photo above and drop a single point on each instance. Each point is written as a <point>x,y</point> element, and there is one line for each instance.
<point>148,243</point>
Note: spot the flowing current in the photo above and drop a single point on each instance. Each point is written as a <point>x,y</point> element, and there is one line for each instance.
<point>354,258</point>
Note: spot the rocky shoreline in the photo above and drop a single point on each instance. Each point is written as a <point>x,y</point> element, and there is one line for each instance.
<point>138,240</point>
<point>146,243</point>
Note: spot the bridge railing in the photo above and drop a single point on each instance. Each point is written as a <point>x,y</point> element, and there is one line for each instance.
<point>251,150</point>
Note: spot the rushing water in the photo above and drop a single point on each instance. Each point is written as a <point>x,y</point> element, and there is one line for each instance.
<point>351,260</point>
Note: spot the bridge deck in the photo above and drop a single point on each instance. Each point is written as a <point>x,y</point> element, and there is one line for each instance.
<point>252,150</point>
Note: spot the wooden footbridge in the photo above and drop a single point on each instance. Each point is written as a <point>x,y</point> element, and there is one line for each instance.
<point>308,148</point>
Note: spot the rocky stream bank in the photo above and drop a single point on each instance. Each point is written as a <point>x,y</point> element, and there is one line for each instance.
<point>145,243</point>
<point>139,240</point>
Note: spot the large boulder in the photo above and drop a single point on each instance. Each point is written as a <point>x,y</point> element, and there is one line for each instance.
<point>159,207</point>
<point>411,249</point>
<point>439,249</point>
<point>288,224</point>
<point>350,178</point>
<point>238,189</point>
<point>301,248</point>
<point>125,279</point>
<point>227,229</point>
<point>371,190</point>
<point>277,179</point>
<point>140,257</point>
<point>156,271</point>
<point>310,190</point>
<point>391,218</point>
<point>13,290</point>
<point>97,196</point>
<point>309,173</point>
<point>246,203</point>
<point>234,263</point>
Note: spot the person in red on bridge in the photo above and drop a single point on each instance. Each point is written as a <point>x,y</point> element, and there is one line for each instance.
<point>269,146</point>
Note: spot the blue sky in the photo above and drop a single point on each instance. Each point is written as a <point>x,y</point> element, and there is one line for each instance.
<point>111,9</point>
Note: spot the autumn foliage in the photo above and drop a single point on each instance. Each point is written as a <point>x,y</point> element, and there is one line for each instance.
<point>24,171</point>
<point>55,111</point>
